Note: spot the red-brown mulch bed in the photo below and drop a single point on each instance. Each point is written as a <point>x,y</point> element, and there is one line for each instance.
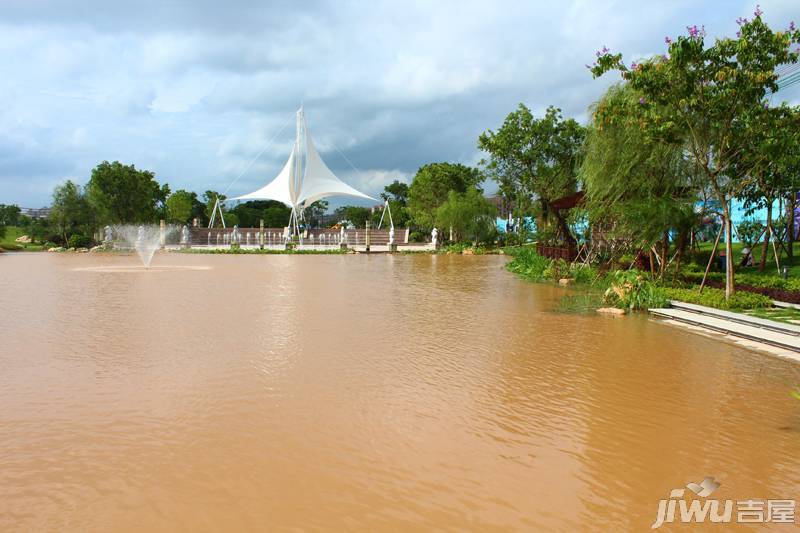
<point>782,295</point>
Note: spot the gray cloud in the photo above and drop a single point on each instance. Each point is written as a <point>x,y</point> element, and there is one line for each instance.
<point>194,90</point>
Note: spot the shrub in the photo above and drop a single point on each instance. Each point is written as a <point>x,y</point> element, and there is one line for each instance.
<point>76,240</point>
<point>716,298</point>
<point>528,264</point>
<point>632,290</point>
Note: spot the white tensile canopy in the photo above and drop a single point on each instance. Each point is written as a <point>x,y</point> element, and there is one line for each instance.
<point>304,179</point>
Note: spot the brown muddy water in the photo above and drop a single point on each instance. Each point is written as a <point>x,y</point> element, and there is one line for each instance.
<point>362,393</point>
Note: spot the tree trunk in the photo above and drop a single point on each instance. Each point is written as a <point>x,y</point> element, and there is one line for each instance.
<point>767,235</point>
<point>664,253</point>
<point>564,227</point>
<point>729,289</point>
<point>790,202</point>
<point>681,245</point>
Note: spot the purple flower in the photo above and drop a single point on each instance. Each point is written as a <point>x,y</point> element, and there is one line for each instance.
<point>642,101</point>
<point>741,20</point>
<point>766,105</point>
<point>791,26</point>
<point>738,34</point>
<point>634,65</point>
<point>693,31</point>
<point>667,40</point>
<point>758,11</point>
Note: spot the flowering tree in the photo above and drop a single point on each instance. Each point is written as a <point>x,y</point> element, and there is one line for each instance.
<point>709,97</point>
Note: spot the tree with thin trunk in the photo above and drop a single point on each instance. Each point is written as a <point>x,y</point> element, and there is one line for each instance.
<point>705,98</point>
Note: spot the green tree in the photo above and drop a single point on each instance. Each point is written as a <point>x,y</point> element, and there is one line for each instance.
<point>397,191</point>
<point>431,186</point>
<point>315,212</point>
<point>636,189</point>
<point>123,194</point>
<point>774,164</point>
<point>471,216</point>
<point>71,213</point>
<point>356,215</point>
<point>535,158</point>
<point>9,215</point>
<point>180,205</point>
<point>706,97</point>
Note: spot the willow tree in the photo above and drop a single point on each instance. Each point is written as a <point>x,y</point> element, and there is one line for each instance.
<point>535,160</point>
<point>639,188</point>
<point>704,96</point>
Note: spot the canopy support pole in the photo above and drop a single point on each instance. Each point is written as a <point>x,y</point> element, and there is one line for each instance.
<point>386,209</point>
<point>217,207</point>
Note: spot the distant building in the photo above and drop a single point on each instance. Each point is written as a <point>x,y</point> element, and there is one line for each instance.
<point>34,212</point>
<point>504,207</point>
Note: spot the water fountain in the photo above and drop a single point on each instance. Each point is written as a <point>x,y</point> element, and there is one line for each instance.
<point>145,239</point>
<point>185,236</point>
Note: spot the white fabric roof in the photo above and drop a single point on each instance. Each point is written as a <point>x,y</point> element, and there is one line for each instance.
<point>303,180</point>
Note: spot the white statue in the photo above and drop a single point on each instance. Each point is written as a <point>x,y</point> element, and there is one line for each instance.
<point>391,235</point>
<point>185,235</point>
<point>235,235</point>
<point>434,237</point>
<point>108,235</point>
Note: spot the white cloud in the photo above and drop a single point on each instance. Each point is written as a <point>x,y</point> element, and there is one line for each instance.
<point>195,90</point>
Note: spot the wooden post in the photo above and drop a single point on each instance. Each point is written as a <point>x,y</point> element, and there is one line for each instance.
<point>711,259</point>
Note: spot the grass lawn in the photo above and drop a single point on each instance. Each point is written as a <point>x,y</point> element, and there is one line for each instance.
<point>769,270</point>
<point>12,232</point>
<point>778,314</point>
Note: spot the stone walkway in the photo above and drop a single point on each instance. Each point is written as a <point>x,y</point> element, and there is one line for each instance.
<point>786,337</point>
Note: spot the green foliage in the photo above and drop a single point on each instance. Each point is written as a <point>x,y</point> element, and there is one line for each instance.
<point>71,212</point>
<point>710,99</point>
<point>749,231</point>
<point>76,240</point>
<point>397,191</point>
<point>9,215</point>
<point>716,298</point>
<point>355,215</point>
<point>314,212</point>
<point>123,194</point>
<point>471,216</point>
<point>530,157</point>
<point>531,266</point>
<point>249,214</point>
<point>528,264</point>
<point>630,289</point>
<point>431,186</point>
<point>636,188</point>
<point>180,205</point>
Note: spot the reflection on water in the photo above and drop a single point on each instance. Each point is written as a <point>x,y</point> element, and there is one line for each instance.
<point>361,392</point>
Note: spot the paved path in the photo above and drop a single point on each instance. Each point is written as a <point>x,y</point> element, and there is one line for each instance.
<point>783,336</point>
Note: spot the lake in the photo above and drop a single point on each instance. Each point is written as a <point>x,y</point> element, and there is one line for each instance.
<point>361,392</point>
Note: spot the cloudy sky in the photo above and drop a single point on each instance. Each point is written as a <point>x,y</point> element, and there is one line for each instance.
<point>195,90</point>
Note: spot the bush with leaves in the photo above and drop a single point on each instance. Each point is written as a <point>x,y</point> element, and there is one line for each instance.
<point>630,289</point>
<point>716,298</point>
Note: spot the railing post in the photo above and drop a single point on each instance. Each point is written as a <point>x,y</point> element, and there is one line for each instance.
<point>367,236</point>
